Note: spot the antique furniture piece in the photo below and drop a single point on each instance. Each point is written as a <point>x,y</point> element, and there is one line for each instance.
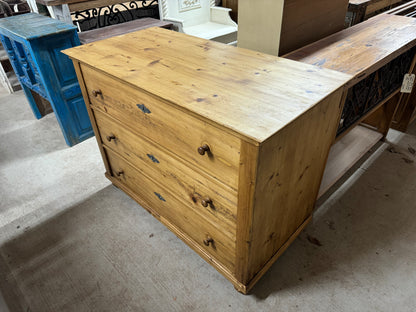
<point>233,5</point>
<point>90,14</point>
<point>406,9</point>
<point>120,29</point>
<point>377,53</point>
<point>7,76</point>
<point>34,43</point>
<point>360,10</point>
<point>225,146</point>
<point>280,26</point>
<point>406,112</point>
<point>356,12</point>
<point>200,18</point>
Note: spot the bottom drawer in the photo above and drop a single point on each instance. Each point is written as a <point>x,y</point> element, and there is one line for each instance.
<point>198,229</point>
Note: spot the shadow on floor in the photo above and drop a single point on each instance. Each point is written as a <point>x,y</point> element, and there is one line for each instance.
<point>367,224</point>
<point>108,254</point>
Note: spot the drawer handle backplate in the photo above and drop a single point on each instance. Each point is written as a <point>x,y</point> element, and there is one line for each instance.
<point>143,108</point>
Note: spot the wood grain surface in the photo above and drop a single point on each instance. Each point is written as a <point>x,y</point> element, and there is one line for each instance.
<point>251,94</point>
<point>189,186</point>
<point>155,104</point>
<point>363,48</point>
<point>180,133</point>
<point>289,170</point>
<point>166,205</point>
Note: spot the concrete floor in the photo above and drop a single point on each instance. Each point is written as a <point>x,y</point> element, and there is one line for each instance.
<point>70,241</point>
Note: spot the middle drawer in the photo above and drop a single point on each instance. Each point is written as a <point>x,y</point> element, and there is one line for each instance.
<point>211,199</point>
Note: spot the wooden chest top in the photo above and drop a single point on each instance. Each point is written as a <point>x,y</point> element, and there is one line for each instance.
<point>250,94</point>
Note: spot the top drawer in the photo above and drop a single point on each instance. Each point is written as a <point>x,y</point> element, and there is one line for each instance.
<point>182,134</point>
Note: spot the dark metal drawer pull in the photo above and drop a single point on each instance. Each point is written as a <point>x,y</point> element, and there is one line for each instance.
<point>203,149</point>
<point>119,173</point>
<point>95,93</point>
<point>160,197</point>
<point>153,158</point>
<point>110,137</point>
<point>208,240</point>
<point>206,202</point>
<point>143,108</point>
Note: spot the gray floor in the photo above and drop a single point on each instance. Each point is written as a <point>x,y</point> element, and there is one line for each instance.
<point>70,241</point>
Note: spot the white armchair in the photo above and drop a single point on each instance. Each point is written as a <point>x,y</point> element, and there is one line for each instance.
<point>200,18</point>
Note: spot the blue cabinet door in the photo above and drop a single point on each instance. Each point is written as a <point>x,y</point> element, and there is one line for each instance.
<point>34,44</point>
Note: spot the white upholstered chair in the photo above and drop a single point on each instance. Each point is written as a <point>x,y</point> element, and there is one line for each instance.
<point>200,18</point>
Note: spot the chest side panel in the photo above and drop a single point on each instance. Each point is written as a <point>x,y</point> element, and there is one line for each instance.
<point>289,173</point>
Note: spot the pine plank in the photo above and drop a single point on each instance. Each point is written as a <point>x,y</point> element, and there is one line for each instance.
<point>346,152</point>
<point>251,84</point>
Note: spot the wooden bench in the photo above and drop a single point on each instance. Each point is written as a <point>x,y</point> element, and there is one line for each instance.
<point>407,9</point>
<point>119,29</point>
<point>91,14</point>
<point>98,20</point>
<point>117,18</point>
<point>377,53</point>
<point>360,10</point>
<point>8,77</point>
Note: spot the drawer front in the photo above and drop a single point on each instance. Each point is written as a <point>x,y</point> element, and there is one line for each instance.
<point>168,207</point>
<point>173,129</point>
<point>212,200</point>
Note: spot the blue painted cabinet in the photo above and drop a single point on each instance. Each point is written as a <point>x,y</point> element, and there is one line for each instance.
<point>34,44</point>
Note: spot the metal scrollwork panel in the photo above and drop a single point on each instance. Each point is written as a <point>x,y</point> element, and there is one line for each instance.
<point>372,90</point>
<point>115,14</point>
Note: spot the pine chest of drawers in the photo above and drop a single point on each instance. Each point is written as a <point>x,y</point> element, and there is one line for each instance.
<point>224,146</point>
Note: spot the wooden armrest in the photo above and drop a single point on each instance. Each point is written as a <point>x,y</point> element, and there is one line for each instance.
<point>178,23</point>
<point>221,15</point>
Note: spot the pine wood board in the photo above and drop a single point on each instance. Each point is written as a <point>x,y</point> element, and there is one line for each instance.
<point>167,126</point>
<point>166,205</point>
<point>263,93</point>
<point>363,48</point>
<point>154,161</point>
<point>345,153</point>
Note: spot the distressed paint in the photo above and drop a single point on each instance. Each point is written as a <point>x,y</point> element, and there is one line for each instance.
<point>34,44</point>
